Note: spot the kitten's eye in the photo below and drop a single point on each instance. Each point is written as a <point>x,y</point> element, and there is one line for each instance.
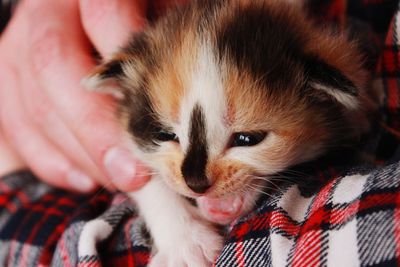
<point>165,136</point>
<point>247,139</point>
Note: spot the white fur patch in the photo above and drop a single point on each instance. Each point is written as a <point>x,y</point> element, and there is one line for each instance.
<point>93,232</point>
<point>206,89</point>
<point>347,100</point>
<point>180,238</point>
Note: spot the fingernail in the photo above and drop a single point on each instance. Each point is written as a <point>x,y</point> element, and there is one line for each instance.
<point>142,176</point>
<point>123,168</point>
<point>80,181</point>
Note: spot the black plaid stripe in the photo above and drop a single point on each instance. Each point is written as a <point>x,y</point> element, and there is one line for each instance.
<point>88,259</point>
<point>384,179</point>
<point>114,215</point>
<point>376,238</point>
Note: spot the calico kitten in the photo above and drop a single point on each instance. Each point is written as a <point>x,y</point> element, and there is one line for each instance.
<point>218,96</point>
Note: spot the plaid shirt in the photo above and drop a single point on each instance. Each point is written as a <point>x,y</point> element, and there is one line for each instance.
<point>352,219</point>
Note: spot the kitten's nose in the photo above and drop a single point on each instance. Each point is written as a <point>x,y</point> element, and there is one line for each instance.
<point>198,185</point>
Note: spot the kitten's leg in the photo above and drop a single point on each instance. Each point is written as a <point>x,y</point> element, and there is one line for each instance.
<point>180,236</point>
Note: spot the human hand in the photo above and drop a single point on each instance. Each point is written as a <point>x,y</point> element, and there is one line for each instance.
<point>66,135</point>
<point>9,160</point>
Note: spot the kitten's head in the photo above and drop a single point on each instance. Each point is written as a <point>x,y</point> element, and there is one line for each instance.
<point>221,93</point>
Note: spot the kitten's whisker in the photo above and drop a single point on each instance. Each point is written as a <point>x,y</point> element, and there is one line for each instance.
<point>299,173</point>
<point>268,181</point>
<point>275,185</point>
<point>273,177</point>
<point>260,191</point>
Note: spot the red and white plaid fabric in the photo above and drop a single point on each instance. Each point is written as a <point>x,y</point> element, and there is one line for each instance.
<point>351,219</point>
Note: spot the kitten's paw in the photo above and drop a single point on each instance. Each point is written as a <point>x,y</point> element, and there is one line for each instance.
<point>199,247</point>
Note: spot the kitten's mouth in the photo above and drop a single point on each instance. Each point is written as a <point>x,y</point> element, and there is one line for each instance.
<point>221,210</point>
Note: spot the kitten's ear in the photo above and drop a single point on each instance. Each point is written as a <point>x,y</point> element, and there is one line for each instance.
<point>332,83</point>
<point>104,79</point>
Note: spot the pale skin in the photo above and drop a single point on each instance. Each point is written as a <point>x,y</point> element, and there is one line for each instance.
<point>49,123</point>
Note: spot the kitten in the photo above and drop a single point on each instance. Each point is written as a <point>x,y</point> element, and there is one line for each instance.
<point>221,94</point>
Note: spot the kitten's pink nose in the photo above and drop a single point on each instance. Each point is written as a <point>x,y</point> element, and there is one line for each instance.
<point>198,186</point>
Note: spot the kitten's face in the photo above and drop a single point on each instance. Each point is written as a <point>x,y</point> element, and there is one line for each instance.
<point>221,95</point>
<point>218,126</point>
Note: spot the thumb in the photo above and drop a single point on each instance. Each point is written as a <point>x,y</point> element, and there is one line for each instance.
<point>109,24</point>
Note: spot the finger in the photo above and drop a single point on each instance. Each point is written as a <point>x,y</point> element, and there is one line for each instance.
<point>9,160</point>
<point>60,61</point>
<point>44,160</point>
<point>13,41</point>
<point>41,113</point>
<point>109,24</point>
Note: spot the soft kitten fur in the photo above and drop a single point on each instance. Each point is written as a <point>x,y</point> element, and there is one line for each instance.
<point>219,93</point>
